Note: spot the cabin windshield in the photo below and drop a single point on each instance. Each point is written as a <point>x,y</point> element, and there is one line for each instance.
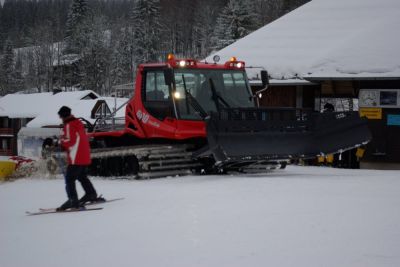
<point>211,90</point>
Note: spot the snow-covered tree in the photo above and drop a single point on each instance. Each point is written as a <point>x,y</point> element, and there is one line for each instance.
<point>43,48</point>
<point>94,55</point>
<point>203,29</point>
<point>235,21</point>
<point>31,77</point>
<point>122,57</point>
<point>185,28</point>
<point>77,15</point>
<point>17,78</point>
<point>269,10</point>
<point>146,30</point>
<point>6,69</point>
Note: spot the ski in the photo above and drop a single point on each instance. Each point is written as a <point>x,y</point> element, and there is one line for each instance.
<point>101,202</point>
<point>64,211</point>
<point>87,204</point>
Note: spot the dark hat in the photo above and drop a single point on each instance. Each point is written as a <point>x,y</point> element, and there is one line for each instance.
<point>64,112</point>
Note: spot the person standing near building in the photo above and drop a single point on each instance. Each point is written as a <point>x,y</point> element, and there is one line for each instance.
<point>76,143</point>
<point>328,107</point>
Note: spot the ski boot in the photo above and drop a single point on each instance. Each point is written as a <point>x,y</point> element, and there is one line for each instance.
<point>70,204</point>
<point>91,199</point>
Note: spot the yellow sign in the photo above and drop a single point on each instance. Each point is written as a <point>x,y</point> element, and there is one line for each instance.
<point>6,169</point>
<point>371,113</point>
<point>360,152</point>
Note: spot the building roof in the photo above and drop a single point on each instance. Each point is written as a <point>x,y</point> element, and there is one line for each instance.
<point>114,103</point>
<point>126,86</point>
<point>282,82</point>
<point>43,107</point>
<point>33,105</point>
<point>326,38</point>
<point>80,109</point>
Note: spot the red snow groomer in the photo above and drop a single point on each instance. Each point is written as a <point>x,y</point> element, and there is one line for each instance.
<point>188,116</point>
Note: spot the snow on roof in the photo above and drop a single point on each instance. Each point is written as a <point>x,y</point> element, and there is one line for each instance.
<point>80,109</point>
<point>33,105</point>
<point>38,132</point>
<point>326,38</point>
<point>23,105</point>
<point>282,82</point>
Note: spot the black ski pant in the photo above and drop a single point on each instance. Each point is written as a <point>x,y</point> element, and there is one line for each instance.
<point>77,172</point>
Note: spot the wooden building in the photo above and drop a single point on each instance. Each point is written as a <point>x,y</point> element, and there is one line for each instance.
<point>379,101</point>
<point>21,110</point>
<point>9,128</point>
<point>330,51</point>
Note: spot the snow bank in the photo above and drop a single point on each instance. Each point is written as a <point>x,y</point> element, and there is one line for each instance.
<point>326,38</point>
<point>296,217</point>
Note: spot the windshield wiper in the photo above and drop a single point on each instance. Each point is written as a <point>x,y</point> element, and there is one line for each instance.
<point>217,97</point>
<point>192,101</point>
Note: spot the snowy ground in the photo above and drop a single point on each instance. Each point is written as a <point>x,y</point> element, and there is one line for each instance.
<point>296,217</point>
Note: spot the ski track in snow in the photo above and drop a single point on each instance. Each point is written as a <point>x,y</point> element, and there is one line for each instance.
<point>302,216</point>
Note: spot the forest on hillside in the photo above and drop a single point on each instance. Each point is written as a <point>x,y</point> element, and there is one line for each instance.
<point>96,44</point>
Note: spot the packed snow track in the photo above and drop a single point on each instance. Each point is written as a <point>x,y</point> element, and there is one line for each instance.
<point>301,216</point>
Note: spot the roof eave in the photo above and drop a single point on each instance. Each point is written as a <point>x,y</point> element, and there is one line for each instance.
<point>289,82</point>
<point>352,78</point>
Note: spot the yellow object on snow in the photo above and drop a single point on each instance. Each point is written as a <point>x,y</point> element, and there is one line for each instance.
<point>360,152</point>
<point>326,159</point>
<point>6,168</point>
<point>330,158</point>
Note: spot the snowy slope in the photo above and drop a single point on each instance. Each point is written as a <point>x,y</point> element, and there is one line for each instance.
<point>326,38</point>
<point>296,217</point>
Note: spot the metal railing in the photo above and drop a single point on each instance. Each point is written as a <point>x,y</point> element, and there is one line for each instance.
<point>110,122</point>
<point>264,114</point>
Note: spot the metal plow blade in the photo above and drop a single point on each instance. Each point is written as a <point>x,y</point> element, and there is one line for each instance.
<point>240,135</point>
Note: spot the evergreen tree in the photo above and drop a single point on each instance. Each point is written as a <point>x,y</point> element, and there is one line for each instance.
<point>43,48</point>
<point>268,10</point>
<point>17,77</point>
<point>203,29</point>
<point>2,30</point>
<point>77,15</point>
<point>122,57</point>
<point>31,77</point>
<point>143,31</point>
<point>95,55</point>
<point>6,69</point>
<point>146,30</point>
<point>235,21</point>
<point>289,5</point>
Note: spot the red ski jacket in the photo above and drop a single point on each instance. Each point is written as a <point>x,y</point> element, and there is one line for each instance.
<point>75,141</point>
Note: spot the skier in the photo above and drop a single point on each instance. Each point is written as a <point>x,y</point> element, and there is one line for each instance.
<point>76,143</point>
